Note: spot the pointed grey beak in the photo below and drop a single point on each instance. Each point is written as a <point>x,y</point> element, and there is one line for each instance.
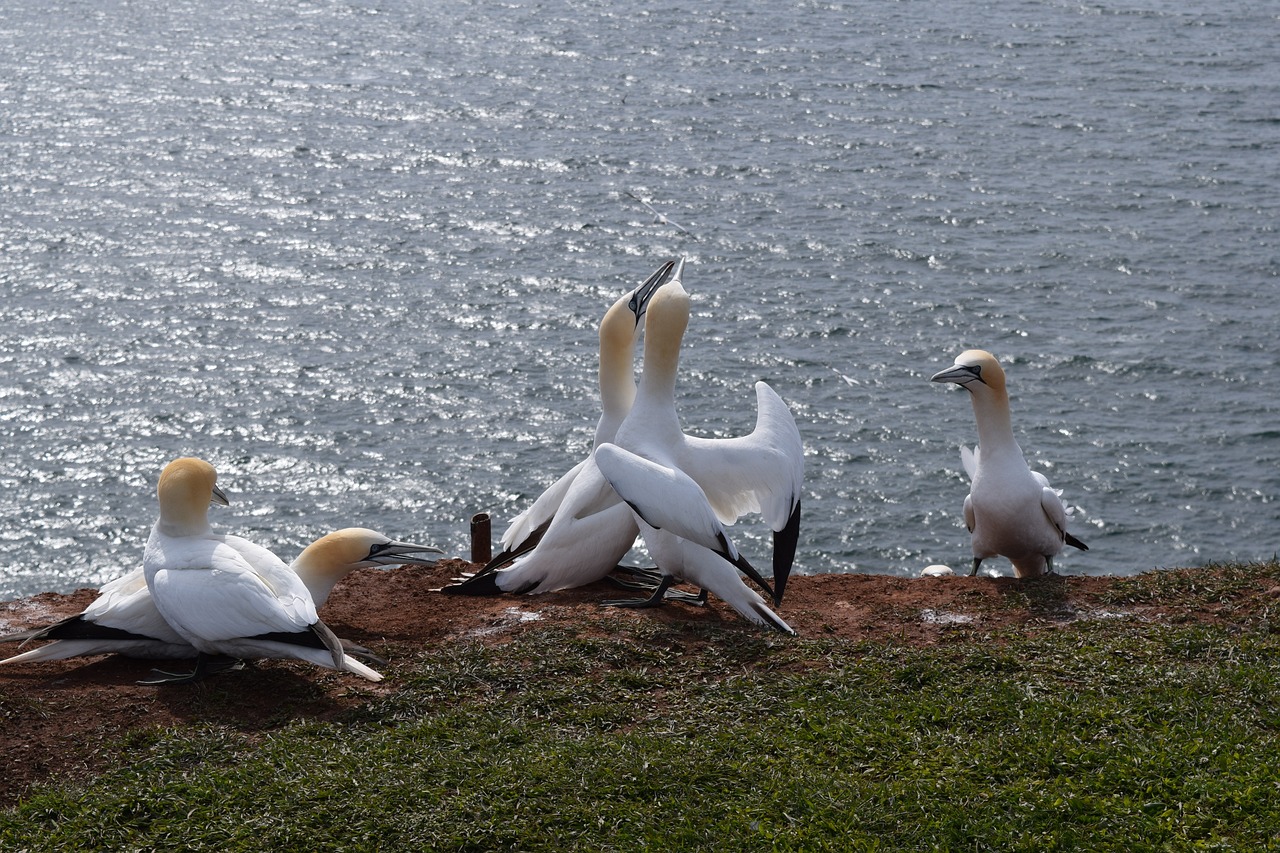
<point>961,374</point>
<point>402,553</point>
<point>219,498</point>
<point>677,274</point>
<point>639,302</point>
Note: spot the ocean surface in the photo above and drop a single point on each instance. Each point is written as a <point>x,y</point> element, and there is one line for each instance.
<point>354,254</point>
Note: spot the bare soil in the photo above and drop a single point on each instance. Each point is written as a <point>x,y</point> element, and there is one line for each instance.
<point>65,720</point>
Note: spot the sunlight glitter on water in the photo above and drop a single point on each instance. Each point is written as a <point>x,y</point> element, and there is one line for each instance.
<point>359,265</point>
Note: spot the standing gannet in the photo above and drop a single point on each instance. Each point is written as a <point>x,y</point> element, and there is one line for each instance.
<point>577,530</point>
<point>1010,510</point>
<point>684,490</point>
<point>225,595</point>
<point>124,620</point>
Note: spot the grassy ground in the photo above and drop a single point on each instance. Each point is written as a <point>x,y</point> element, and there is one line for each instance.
<point>1102,734</point>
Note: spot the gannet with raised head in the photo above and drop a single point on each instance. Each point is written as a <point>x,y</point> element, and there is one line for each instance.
<point>684,490</point>
<point>577,530</point>
<point>1011,511</point>
<point>225,595</point>
<point>124,620</point>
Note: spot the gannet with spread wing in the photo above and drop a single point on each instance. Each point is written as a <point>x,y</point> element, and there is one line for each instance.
<point>684,490</point>
<point>576,532</point>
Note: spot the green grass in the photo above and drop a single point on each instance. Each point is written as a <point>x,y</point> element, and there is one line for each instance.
<point>1109,735</point>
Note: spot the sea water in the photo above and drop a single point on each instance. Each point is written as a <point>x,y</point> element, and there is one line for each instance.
<point>355,252</point>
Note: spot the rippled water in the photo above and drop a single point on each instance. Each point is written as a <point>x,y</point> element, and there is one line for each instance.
<point>354,254</point>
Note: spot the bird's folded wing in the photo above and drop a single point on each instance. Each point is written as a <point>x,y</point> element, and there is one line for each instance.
<point>229,598</point>
<point>665,498</point>
<point>1053,508</point>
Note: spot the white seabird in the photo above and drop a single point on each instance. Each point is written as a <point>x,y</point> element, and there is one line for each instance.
<point>335,555</point>
<point>578,529</point>
<point>684,490</point>
<point>225,595</point>
<point>660,218</point>
<point>124,620</point>
<point>1011,511</point>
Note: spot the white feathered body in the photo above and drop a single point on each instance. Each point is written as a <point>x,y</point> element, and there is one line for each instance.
<point>684,489</point>
<point>223,593</point>
<point>1011,511</point>
<point>592,530</point>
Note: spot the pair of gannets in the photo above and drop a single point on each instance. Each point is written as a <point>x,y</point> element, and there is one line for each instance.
<point>124,620</point>
<point>1011,511</point>
<point>128,619</point>
<point>684,490</point>
<point>578,529</point>
<point>586,526</point>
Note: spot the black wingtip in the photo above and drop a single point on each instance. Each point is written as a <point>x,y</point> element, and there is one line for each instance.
<point>785,542</point>
<point>1074,542</point>
<point>750,571</point>
<point>773,620</point>
<point>74,628</point>
<point>508,555</point>
<point>483,583</point>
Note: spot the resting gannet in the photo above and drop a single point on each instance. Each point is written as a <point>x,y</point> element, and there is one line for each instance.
<point>225,595</point>
<point>1010,510</point>
<point>124,620</point>
<point>684,490</point>
<point>577,530</point>
<point>335,555</point>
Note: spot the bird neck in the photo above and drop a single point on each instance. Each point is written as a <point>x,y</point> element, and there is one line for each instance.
<point>177,523</point>
<point>658,382</point>
<point>617,381</point>
<point>617,348</point>
<point>661,358</point>
<point>318,581</point>
<point>995,427</point>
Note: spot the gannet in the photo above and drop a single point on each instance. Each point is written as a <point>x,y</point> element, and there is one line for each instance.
<point>225,595</point>
<point>660,218</point>
<point>577,530</point>
<point>684,490</point>
<point>124,620</point>
<point>1011,510</point>
<point>335,555</point>
<point>681,559</point>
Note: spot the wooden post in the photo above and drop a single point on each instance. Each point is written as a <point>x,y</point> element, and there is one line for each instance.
<point>481,546</point>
